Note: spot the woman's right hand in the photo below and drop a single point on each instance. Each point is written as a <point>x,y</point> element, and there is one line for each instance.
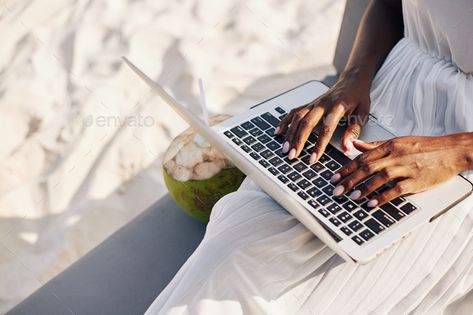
<point>349,98</point>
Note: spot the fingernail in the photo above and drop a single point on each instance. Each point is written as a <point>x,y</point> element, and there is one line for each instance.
<point>335,178</point>
<point>355,194</point>
<point>276,131</point>
<point>292,154</point>
<point>338,190</point>
<point>313,158</point>
<point>372,203</point>
<point>350,146</point>
<point>285,147</point>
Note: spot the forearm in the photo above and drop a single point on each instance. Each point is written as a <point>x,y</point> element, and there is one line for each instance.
<point>380,29</point>
<point>464,142</point>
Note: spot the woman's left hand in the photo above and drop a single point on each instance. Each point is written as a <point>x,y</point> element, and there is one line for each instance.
<point>413,163</point>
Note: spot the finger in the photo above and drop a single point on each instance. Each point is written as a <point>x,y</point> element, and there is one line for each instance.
<point>282,127</point>
<point>296,119</point>
<point>403,187</point>
<point>329,124</point>
<point>361,161</point>
<point>355,122</point>
<point>379,179</point>
<point>306,125</point>
<point>362,173</point>
<point>366,146</point>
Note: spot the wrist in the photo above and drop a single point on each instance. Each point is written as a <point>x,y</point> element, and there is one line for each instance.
<point>359,75</point>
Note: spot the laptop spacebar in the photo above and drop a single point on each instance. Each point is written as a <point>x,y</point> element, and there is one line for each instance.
<point>336,154</point>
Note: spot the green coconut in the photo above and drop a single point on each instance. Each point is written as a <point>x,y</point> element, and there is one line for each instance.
<point>197,175</point>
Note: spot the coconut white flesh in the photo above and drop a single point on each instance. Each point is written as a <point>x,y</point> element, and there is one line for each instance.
<point>190,156</point>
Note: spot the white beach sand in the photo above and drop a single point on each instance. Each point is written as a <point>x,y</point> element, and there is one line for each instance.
<point>82,137</point>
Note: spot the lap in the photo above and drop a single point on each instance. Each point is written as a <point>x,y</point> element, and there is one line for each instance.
<point>256,258</point>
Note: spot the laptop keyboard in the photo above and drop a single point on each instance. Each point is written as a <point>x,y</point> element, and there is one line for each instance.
<point>312,184</point>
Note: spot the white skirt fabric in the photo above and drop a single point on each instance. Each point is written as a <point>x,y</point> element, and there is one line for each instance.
<point>257,259</point>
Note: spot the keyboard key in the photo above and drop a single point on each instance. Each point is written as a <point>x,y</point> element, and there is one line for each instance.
<point>264,163</point>
<point>310,174</point>
<point>294,176</point>
<point>332,165</point>
<point>255,132</point>
<point>357,240</point>
<point>275,161</point>
<point>340,199</point>
<point>344,217</point>
<point>323,200</point>
<point>408,208</point>
<point>283,179</point>
<point>255,156</point>
<point>382,217</point>
<point>300,166</point>
<point>258,147</point>
<point>314,192</point>
<point>247,125</point>
<point>267,154</point>
<point>249,140</point>
<point>394,212</point>
<point>264,138</point>
<point>326,174</point>
<point>239,131</point>
<point>246,148</point>
<point>306,159</point>
<point>334,208</point>
<point>398,201</point>
<point>324,158</point>
<point>366,234</point>
<point>271,119</point>
<point>350,206</point>
<point>319,182</point>
<point>375,226</point>
<point>279,153</point>
<point>280,110</point>
<point>273,171</point>
<point>323,212</point>
<point>237,141</point>
<point>273,146</point>
<point>355,225</point>
<point>365,207</point>
<point>258,121</point>
<point>285,169</point>
<point>360,215</point>
<point>338,156</point>
<point>303,195</point>
<point>281,117</point>
<point>335,221</point>
<point>270,132</point>
<point>346,230</point>
<point>293,187</point>
<point>279,139</point>
<point>328,190</point>
<point>318,167</point>
<point>314,204</point>
<point>228,134</point>
<point>303,184</point>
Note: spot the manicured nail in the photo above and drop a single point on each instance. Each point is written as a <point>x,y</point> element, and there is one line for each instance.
<point>292,154</point>
<point>335,178</point>
<point>276,131</point>
<point>313,158</point>
<point>355,194</point>
<point>285,147</point>
<point>350,147</point>
<point>372,203</point>
<point>338,190</point>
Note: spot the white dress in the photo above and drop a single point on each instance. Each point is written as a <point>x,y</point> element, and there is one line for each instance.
<point>257,259</point>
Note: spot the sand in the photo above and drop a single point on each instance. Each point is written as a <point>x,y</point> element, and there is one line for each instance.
<point>83,138</point>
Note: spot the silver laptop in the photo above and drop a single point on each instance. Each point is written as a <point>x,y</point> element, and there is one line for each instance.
<point>354,231</point>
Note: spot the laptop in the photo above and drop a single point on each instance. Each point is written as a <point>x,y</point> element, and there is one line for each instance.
<point>354,231</point>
